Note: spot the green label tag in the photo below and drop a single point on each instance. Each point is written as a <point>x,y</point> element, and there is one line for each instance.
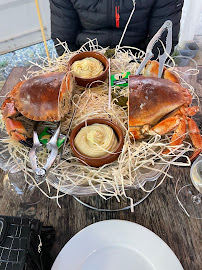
<point>46,134</point>
<point>120,79</point>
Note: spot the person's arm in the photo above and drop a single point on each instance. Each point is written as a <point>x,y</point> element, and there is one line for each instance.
<point>65,24</point>
<point>162,11</point>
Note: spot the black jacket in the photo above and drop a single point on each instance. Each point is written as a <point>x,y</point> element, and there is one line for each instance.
<point>74,21</point>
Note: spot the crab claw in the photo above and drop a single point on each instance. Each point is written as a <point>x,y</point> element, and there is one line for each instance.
<point>169,75</point>
<point>17,131</point>
<point>151,70</point>
<point>195,136</point>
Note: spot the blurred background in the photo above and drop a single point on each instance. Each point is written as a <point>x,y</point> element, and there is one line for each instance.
<point>21,38</point>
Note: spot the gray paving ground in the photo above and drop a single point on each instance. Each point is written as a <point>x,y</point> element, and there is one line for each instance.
<point>22,57</point>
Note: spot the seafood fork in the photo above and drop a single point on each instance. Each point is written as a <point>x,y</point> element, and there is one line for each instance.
<point>41,173</point>
<point>162,58</point>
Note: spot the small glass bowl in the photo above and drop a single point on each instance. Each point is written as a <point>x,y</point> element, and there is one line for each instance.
<point>98,161</point>
<point>89,81</point>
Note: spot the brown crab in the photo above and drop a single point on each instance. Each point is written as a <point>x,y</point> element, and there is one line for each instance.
<point>154,99</point>
<point>41,98</point>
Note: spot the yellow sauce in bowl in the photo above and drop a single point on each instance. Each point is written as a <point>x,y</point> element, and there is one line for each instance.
<point>88,67</point>
<point>96,140</point>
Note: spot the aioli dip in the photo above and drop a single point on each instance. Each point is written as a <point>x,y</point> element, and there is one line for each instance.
<point>96,140</point>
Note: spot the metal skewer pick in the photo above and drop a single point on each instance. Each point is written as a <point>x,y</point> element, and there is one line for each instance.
<point>67,134</point>
<point>109,91</point>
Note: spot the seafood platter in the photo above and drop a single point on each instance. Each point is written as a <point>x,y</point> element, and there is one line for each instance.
<point>99,122</point>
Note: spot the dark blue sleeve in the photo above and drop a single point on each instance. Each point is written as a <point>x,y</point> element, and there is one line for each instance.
<point>65,24</point>
<point>163,10</point>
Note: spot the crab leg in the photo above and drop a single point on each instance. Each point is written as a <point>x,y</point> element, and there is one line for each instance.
<point>14,127</point>
<point>166,125</point>
<point>192,110</point>
<point>136,133</point>
<point>178,136</point>
<point>8,109</point>
<point>195,137</point>
<point>185,111</point>
<point>170,124</point>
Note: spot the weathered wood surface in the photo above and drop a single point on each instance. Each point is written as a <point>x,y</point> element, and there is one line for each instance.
<point>160,212</point>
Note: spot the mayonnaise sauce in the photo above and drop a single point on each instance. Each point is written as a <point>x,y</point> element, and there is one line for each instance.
<point>96,140</point>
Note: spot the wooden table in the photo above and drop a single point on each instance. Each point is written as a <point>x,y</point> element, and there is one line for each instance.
<point>160,212</point>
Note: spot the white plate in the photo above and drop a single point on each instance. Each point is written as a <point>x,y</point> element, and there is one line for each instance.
<point>116,245</point>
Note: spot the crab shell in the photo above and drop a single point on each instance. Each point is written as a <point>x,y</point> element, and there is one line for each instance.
<point>150,99</point>
<point>45,97</point>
